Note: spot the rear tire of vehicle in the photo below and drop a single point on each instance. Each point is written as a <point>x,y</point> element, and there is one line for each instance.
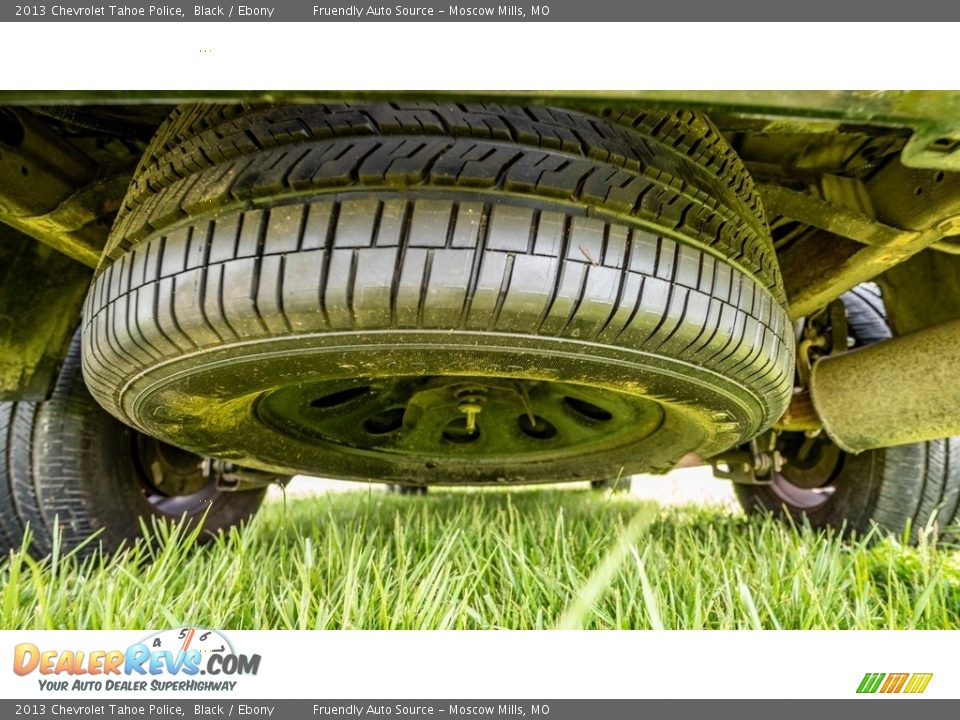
<point>304,248</point>
<point>18,499</point>
<point>893,488</point>
<point>614,485</point>
<point>66,463</point>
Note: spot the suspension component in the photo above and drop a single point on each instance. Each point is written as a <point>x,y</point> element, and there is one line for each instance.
<point>231,477</point>
<point>752,464</point>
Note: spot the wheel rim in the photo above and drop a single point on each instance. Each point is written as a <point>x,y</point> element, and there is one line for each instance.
<point>466,419</point>
<point>808,476</point>
<point>231,404</point>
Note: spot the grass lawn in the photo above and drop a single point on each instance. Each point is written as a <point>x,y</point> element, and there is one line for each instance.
<point>524,559</point>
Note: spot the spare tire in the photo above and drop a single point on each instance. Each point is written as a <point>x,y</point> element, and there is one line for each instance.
<point>440,293</point>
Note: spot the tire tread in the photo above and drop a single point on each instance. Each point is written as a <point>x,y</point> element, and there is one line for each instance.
<point>756,347</point>
<point>612,164</point>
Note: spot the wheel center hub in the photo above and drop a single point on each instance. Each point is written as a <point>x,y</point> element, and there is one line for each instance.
<point>811,463</point>
<point>166,470</point>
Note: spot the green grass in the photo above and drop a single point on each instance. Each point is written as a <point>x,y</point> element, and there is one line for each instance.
<point>527,559</point>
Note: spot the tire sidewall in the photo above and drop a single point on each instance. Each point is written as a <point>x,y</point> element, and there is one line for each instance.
<point>87,479</point>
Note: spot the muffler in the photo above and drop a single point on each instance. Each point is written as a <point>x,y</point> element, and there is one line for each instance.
<point>899,391</point>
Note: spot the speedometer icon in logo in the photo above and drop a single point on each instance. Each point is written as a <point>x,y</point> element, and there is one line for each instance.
<point>190,651</point>
<point>185,639</point>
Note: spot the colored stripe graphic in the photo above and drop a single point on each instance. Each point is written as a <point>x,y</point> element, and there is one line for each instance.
<point>918,682</point>
<point>870,682</point>
<point>894,683</point>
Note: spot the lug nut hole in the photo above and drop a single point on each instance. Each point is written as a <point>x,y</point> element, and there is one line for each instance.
<point>341,397</point>
<point>386,422</point>
<point>456,432</point>
<point>587,409</point>
<point>11,130</point>
<point>538,429</point>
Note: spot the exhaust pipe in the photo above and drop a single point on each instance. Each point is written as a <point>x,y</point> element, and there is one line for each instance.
<point>895,392</point>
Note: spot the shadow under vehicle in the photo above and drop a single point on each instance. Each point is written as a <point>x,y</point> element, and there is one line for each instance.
<point>204,293</point>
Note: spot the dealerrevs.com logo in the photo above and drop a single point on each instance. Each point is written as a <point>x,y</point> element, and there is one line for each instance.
<point>183,659</point>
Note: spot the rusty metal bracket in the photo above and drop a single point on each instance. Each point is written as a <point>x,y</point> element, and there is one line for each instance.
<point>752,464</point>
<point>865,228</point>
<point>823,214</point>
<point>41,293</point>
<point>934,145</point>
<point>233,478</point>
<point>52,192</point>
